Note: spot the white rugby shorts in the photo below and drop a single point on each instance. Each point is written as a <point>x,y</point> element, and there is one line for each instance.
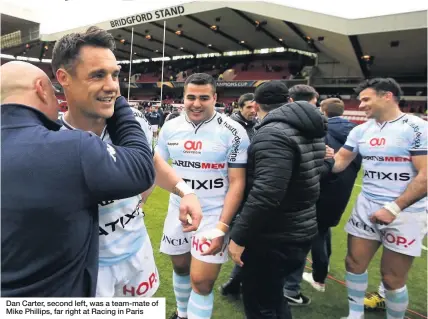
<point>136,276</point>
<point>155,128</point>
<point>176,242</point>
<point>404,235</point>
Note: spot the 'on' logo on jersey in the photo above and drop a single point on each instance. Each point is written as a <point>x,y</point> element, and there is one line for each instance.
<point>377,141</point>
<point>193,147</point>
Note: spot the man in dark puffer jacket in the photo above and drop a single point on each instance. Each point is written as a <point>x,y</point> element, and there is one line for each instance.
<point>278,220</point>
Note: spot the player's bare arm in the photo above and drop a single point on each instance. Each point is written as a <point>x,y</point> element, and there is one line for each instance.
<point>234,195</point>
<point>232,202</point>
<point>342,159</point>
<point>415,191</point>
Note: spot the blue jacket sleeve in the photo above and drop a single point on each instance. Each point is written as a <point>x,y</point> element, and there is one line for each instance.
<point>121,170</point>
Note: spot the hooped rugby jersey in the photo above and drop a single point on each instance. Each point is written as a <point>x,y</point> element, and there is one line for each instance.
<point>122,230</point>
<point>201,155</point>
<point>387,149</point>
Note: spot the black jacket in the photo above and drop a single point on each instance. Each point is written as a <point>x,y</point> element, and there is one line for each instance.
<point>248,125</point>
<point>331,203</point>
<point>283,172</point>
<point>52,183</point>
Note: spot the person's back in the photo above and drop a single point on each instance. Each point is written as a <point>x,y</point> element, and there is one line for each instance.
<point>154,118</point>
<point>27,212</point>
<point>301,126</point>
<point>332,204</point>
<point>52,183</point>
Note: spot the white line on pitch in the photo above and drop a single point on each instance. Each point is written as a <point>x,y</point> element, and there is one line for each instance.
<point>358,185</point>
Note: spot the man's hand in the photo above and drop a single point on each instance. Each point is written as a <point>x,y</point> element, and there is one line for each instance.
<point>382,217</point>
<point>329,152</point>
<point>215,246</point>
<point>190,213</point>
<point>216,238</point>
<point>235,252</point>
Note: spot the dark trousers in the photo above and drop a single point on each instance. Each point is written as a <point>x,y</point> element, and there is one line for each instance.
<point>236,273</point>
<point>265,268</point>
<point>321,252</point>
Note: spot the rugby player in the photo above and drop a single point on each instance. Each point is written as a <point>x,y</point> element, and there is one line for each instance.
<point>209,151</point>
<point>87,69</point>
<point>391,209</point>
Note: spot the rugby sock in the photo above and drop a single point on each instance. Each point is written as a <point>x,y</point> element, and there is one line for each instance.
<point>200,307</point>
<point>182,290</point>
<point>396,303</point>
<point>357,286</point>
<point>381,290</point>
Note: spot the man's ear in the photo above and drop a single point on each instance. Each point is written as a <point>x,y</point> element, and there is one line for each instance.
<point>62,77</point>
<point>41,90</point>
<point>215,97</point>
<point>389,96</point>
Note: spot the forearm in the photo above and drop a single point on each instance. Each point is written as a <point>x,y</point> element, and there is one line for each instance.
<point>339,165</point>
<point>415,191</point>
<point>342,159</point>
<point>232,201</point>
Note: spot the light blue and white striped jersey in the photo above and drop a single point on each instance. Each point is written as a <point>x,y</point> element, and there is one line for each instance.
<point>122,230</point>
<point>201,155</point>
<point>387,150</point>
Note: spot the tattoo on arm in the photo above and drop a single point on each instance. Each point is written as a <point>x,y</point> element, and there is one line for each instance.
<point>177,192</point>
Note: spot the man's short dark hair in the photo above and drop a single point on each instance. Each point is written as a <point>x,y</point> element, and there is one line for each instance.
<point>245,98</point>
<point>201,79</point>
<point>66,50</point>
<point>381,85</point>
<point>302,92</point>
<point>333,107</point>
